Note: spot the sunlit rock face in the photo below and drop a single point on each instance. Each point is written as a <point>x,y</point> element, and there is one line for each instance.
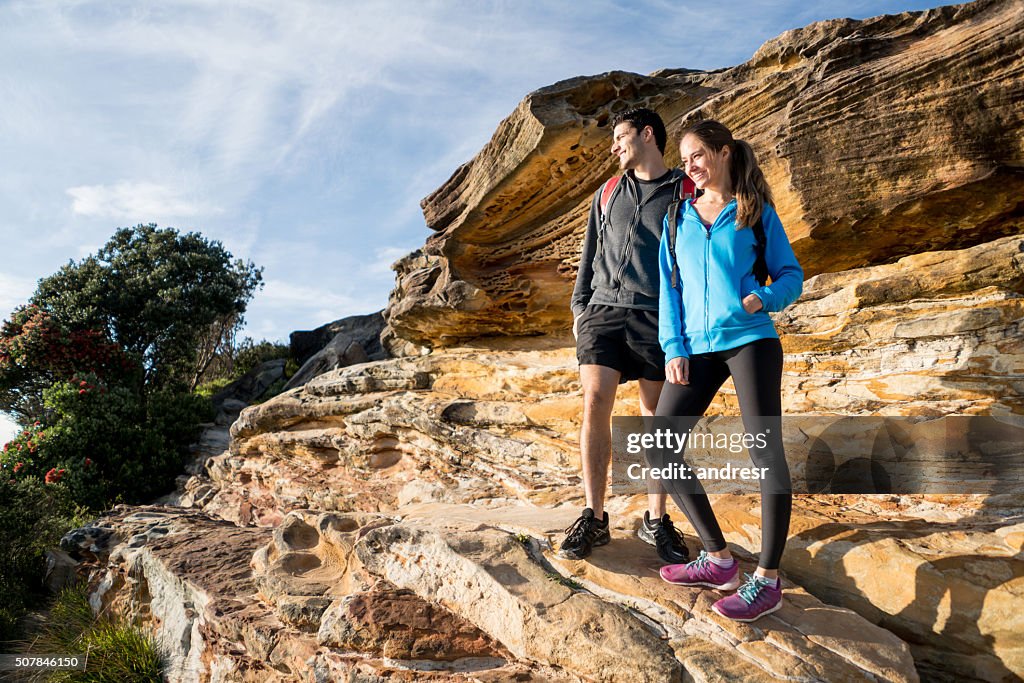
<point>880,138</point>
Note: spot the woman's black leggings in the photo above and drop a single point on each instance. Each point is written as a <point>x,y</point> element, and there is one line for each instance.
<point>756,370</point>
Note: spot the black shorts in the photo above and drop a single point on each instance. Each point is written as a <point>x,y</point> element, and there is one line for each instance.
<point>624,339</point>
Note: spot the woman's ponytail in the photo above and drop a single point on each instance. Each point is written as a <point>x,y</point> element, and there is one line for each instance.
<point>749,184</point>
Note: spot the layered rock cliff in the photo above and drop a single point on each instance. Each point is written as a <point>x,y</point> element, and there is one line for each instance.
<point>880,138</point>
<point>395,520</point>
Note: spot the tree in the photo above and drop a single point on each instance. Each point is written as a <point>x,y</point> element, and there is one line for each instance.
<point>155,293</point>
<point>36,351</point>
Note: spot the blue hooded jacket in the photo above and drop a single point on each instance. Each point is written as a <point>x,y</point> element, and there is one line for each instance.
<point>705,313</point>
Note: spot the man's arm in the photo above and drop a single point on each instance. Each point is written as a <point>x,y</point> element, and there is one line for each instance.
<point>583,290</point>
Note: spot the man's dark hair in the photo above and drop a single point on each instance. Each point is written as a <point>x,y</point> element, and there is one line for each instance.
<point>640,118</point>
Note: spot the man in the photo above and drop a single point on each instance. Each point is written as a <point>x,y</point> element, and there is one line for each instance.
<point>615,311</point>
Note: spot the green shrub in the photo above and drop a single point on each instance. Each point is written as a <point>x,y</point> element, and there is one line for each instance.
<point>33,517</point>
<point>250,354</point>
<point>104,444</point>
<point>208,389</point>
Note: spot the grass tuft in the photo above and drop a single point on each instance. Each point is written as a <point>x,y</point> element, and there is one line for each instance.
<point>117,652</point>
<point>566,581</point>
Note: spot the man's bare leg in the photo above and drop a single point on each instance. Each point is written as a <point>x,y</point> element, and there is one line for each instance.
<point>660,533</point>
<point>599,386</point>
<point>650,391</point>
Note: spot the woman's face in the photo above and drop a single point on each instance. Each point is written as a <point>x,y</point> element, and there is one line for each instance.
<point>706,168</point>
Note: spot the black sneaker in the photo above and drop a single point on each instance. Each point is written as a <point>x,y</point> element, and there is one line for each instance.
<point>585,534</point>
<point>663,535</point>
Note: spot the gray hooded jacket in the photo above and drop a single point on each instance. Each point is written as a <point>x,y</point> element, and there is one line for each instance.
<point>619,263</point>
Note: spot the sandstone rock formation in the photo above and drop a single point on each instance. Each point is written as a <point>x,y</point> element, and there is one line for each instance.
<point>395,520</point>
<point>250,386</point>
<point>445,593</point>
<point>496,424</point>
<point>340,352</point>
<point>909,121</point>
<point>362,329</point>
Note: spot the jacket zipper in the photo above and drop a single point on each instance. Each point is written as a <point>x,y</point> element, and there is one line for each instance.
<point>631,229</point>
<point>707,285</point>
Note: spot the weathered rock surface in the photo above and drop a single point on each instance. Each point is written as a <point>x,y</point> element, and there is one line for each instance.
<point>497,425</point>
<point>250,386</point>
<point>447,592</point>
<point>393,520</point>
<point>881,138</point>
<point>340,352</point>
<point>932,334</point>
<point>362,329</point>
<point>501,424</point>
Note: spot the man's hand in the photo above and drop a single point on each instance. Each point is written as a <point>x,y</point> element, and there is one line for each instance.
<point>576,326</point>
<point>677,370</point>
<point>752,303</point>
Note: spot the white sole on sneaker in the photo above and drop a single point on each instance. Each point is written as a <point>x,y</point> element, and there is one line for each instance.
<point>747,621</point>
<point>731,585</point>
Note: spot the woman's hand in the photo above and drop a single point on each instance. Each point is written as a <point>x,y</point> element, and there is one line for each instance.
<point>752,303</point>
<point>677,370</point>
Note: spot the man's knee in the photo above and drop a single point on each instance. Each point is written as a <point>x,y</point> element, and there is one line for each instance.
<point>598,400</point>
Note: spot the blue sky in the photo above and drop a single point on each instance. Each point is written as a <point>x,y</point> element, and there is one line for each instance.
<point>302,134</point>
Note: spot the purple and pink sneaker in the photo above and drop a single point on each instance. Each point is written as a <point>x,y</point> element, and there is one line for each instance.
<point>757,597</point>
<point>703,572</point>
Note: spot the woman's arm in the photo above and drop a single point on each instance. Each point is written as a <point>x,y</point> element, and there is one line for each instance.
<point>670,302</point>
<point>787,275</point>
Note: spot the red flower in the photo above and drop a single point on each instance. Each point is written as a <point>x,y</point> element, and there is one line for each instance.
<point>82,383</point>
<point>88,462</point>
<point>18,466</point>
<point>81,391</point>
<point>54,475</point>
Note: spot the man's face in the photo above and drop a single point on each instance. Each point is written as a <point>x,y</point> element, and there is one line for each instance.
<point>627,145</point>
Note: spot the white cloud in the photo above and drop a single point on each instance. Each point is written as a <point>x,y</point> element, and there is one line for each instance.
<point>281,294</point>
<point>135,201</point>
<point>14,291</point>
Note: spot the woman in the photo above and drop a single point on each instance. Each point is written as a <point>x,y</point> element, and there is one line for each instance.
<point>713,324</point>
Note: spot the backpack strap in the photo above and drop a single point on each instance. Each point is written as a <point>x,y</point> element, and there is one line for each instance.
<point>760,263</point>
<point>606,194</point>
<point>687,190</point>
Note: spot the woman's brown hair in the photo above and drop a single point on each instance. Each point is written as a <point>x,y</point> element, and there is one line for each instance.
<point>748,182</point>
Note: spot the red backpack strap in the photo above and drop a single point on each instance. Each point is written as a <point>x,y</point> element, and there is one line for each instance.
<point>687,189</point>
<point>606,192</point>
